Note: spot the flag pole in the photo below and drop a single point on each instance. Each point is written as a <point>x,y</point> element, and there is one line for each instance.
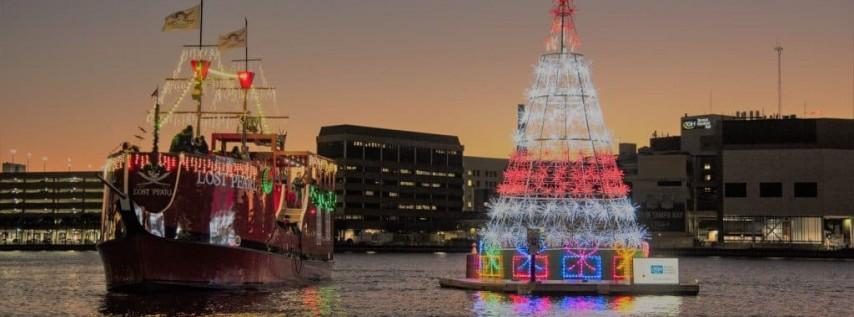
<point>246,47</point>
<point>201,21</point>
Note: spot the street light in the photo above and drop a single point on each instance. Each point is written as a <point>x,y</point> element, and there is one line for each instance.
<point>29,156</point>
<point>13,151</point>
<point>69,164</point>
<point>44,163</point>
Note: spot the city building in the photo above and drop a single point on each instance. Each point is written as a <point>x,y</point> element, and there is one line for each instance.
<point>14,167</point>
<point>50,208</point>
<point>395,187</point>
<point>751,179</point>
<point>658,182</point>
<point>482,176</point>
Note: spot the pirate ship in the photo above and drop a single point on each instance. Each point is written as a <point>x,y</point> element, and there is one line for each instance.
<point>255,216</point>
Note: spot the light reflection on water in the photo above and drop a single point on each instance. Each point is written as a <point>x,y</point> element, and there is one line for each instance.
<point>496,304</point>
<point>72,283</point>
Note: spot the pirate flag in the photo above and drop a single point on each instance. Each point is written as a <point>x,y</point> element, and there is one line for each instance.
<point>232,40</point>
<point>183,20</point>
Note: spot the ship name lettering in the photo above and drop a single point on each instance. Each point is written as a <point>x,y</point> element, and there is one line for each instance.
<point>141,191</point>
<point>221,179</point>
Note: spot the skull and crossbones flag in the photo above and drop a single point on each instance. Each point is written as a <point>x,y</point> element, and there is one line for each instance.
<point>183,20</point>
<point>232,40</point>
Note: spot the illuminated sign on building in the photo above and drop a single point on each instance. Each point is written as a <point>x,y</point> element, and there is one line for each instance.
<point>691,124</point>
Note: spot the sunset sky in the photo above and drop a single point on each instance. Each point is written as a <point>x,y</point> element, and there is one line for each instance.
<point>76,75</point>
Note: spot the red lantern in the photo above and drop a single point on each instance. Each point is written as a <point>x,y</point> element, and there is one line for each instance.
<point>245,77</point>
<point>200,68</point>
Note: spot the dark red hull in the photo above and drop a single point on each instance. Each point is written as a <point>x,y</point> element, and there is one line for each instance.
<point>143,262</point>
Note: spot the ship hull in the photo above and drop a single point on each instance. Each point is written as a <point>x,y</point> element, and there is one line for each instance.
<point>144,262</point>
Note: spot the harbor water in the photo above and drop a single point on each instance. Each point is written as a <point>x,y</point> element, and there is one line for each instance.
<point>72,283</point>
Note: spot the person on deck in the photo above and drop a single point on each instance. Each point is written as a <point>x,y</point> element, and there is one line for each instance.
<point>201,146</point>
<point>235,152</point>
<point>182,142</point>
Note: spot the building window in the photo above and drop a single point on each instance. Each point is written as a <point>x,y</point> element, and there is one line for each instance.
<point>735,190</point>
<point>407,154</point>
<point>331,149</point>
<point>669,183</point>
<point>422,155</point>
<point>469,183</point>
<point>707,166</point>
<point>708,177</point>
<point>808,189</point>
<point>770,189</point>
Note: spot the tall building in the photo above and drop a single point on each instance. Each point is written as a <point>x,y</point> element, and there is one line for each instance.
<point>51,208</point>
<point>482,176</point>
<point>395,187</point>
<point>751,179</point>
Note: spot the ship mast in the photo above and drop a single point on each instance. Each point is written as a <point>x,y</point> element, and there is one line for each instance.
<point>201,67</point>
<point>201,45</point>
<point>199,105</point>
<point>243,147</point>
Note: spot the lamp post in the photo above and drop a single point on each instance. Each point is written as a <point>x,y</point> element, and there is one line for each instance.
<point>68,164</point>
<point>44,163</point>
<point>13,152</point>
<point>29,156</point>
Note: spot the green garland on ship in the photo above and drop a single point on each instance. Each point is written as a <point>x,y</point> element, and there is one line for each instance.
<point>323,199</point>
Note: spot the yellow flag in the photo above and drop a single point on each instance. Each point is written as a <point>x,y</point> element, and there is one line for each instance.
<point>183,20</point>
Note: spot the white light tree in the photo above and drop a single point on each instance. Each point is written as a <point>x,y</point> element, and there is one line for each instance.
<point>562,178</point>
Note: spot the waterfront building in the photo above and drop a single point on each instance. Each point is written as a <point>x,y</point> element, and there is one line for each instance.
<point>752,179</point>
<point>50,208</point>
<point>14,167</point>
<point>482,176</point>
<point>657,181</point>
<point>395,187</point>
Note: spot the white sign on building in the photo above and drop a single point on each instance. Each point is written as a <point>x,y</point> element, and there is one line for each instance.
<point>656,270</point>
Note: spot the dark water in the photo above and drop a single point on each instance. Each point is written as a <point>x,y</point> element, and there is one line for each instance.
<point>72,283</point>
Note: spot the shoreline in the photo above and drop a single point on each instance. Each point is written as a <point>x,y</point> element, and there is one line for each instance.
<point>671,252</point>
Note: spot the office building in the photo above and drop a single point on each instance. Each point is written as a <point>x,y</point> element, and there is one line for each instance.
<point>482,176</point>
<point>752,179</point>
<point>50,208</point>
<point>395,187</point>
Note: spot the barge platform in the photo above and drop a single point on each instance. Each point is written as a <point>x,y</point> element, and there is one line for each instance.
<point>570,287</point>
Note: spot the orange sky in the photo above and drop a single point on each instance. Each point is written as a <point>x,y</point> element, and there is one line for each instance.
<point>76,75</point>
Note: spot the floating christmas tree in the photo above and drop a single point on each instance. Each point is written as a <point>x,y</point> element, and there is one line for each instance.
<point>562,178</point>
